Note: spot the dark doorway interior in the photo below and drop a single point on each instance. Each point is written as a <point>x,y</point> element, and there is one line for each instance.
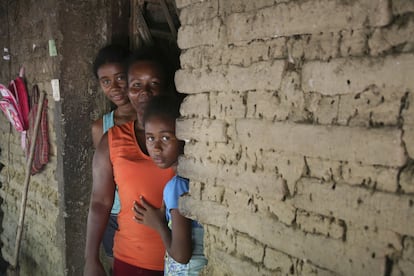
<point>155,22</point>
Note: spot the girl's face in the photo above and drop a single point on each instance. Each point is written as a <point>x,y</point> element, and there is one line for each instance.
<point>145,80</point>
<point>113,81</point>
<point>162,144</point>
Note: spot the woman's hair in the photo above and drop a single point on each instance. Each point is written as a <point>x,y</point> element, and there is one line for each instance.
<point>157,56</point>
<point>165,106</point>
<point>112,53</point>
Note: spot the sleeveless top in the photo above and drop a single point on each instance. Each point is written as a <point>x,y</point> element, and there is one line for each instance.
<point>108,122</point>
<point>136,175</point>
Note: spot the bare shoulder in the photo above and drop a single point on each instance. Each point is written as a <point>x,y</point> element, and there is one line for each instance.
<point>103,181</point>
<point>101,155</point>
<point>97,124</point>
<point>97,132</point>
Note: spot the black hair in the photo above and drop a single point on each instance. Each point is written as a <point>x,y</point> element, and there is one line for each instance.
<point>167,66</point>
<point>165,106</point>
<point>156,55</point>
<point>112,53</point>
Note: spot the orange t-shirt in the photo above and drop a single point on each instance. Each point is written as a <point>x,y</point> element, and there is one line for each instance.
<point>136,174</point>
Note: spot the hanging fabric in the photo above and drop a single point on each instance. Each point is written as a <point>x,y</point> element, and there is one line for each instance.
<point>41,150</point>
<point>15,104</point>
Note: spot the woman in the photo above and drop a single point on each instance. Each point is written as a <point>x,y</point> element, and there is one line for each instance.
<point>110,69</point>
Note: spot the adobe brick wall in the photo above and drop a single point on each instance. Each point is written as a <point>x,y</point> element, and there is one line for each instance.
<point>300,134</point>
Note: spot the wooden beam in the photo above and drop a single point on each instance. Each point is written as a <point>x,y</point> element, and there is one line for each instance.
<point>141,35</point>
<point>162,34</point>
<point>118,23</point>
<point>170,20</point>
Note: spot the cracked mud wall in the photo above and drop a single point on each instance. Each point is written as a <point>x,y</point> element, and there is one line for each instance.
<point>299,124</point>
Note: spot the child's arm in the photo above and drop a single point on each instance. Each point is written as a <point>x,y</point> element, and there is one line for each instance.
<point>181,246</point>
<point>178,240</point>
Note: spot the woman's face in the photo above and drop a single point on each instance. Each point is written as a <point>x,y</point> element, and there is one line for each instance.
<point>145,80</point>
<point>113,81</point>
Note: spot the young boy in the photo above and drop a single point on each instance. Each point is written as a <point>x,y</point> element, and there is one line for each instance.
<point>182,237</point>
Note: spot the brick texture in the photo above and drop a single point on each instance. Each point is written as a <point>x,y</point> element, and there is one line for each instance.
<point>310,17</point>
<point>364,208</point>
<point>299,130</point>
<point>335,77</point>
<point>261,75</point>
<point>300,139</point>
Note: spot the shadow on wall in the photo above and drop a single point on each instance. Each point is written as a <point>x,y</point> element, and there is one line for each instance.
<point>3,263</point>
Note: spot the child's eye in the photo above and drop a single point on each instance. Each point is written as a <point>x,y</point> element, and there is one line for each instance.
<point>165,138</point>
<point>150,138</point>
<point>105,82</point>
<point>155,83</point>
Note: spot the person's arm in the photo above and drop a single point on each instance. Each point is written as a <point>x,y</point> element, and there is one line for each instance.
<point>178,240</point>
<point>101,201</point>
<point>97,132</point>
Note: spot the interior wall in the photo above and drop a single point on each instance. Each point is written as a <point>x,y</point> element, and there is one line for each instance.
<point>299,130</point>
<point>41,247</point>
<point>84,29</point>
<point>55,221</point>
